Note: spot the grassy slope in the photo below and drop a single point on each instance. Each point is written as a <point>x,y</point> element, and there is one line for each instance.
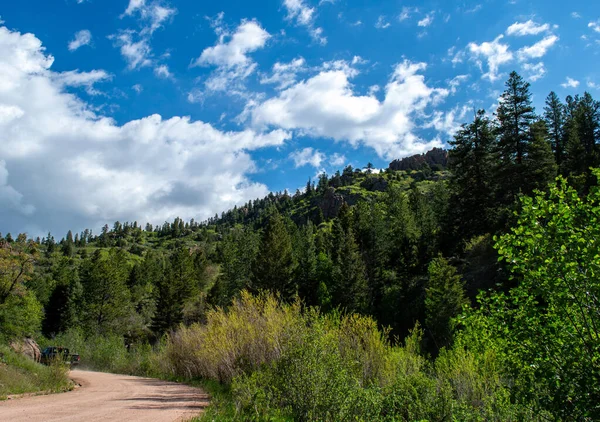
<point>19,374</point>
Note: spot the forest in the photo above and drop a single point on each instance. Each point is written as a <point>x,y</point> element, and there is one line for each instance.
<point>460,284</point>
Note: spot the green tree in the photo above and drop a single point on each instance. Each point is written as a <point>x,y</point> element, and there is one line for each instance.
<point>444,300</point>
<point>554,115</point>
<point>274,267</point>
<point>545,330</point>
<point>540,167</point>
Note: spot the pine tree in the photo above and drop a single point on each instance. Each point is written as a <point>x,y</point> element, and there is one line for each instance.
<point>444,299</point>
<point>554,115</point>
<point>349,288</point>
<point>515,115</point>
<point>306,271</point>
<point>274,267</point>
<point>539,164</point>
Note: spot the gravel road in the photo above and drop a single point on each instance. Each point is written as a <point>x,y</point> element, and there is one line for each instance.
<point>109,397</point>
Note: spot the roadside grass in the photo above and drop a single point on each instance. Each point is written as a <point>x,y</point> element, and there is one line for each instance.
<point>20,375</point>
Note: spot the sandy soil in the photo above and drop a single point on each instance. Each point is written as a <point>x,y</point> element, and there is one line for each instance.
<point>109,397</point>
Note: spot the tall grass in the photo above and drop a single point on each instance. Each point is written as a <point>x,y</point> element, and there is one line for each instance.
<point>19,374</point>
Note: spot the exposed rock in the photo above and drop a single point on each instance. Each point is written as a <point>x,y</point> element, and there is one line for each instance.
<point>437,157</point>
<point>330,203</point>
<point>373,184</point>
<point>27,347</point>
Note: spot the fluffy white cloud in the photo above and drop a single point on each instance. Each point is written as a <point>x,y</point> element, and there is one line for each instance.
<point>595,25</point>
<point>537,50</point>
<point>298,11</point>
<point>570,83</point>
<point>426,21</point>
<point>136,53</point>
<point>326,106</point>
<point>449,122</point>
<point>527,28</point>
<point>308,156</point>
<point>407,12</point>
<point>284,74</point>
<point>337,159</point>
<point>382,23</point>
<point>495,53</point>
<point>65,166</point>
<point>83,37</point>
<point>75,78</point>
<point>534,71</point>
<point>230,54</point>
<point>152,14</point>
<point>162,71</point>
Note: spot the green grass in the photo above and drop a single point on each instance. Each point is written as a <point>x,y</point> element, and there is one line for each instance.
<point>19,375</point>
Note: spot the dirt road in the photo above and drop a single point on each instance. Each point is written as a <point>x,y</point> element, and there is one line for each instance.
<point>109,397</point>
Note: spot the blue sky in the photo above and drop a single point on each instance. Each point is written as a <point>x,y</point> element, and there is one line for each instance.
<point>150,109</point>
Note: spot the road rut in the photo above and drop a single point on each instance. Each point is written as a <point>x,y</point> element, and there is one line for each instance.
<point>110,397</point>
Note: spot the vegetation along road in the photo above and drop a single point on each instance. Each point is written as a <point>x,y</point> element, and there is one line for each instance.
<point>110,397</point>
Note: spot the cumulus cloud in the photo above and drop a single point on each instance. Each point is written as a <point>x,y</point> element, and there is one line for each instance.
<point>303,15</point>
<point>138,53</point>
<point>326,106</point>
<point>527,28</point>
<point>284,74</point>
<point>426,21</point>
<point>162,71</point>
<point>533,72</point>
<point>307,156</point>
<point>449,122</point>
<point>230,54</point>
<point>152,14</point>
<point>570,83</point>
<point>537,50</point>
<point>65,166</point>
<point>382,23</point>
<point>407,12</point>
<point>337,159</point>
<point>75,78</point>
<point>495,53</point>
<point>83,37</point>
<point>595,26</point>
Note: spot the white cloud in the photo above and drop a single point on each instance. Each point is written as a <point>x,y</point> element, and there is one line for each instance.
<point>75,78</point>
<point>83,37</point>
<point>382,23</point>
<point>537,50</point>
<point>427,20</point>
<point>337,159</point>
<point>595,25</point>
<point>494,52</point>
<point>284,74</point>
<point>137,88</point>
<point>455,82</point>
<point>152,14</point>
<point>326,106</point>
<point>593,85</point>
<point>138,53</point>
<point>527,28</point>
<point>406,13</point>
<point>307,156</point>
<point>570,83</point>
<point>65,166</point>
<point>575,15</point>
<point>534,71</point>
<point>449,122</point>
<point>162,71</point>
<point>298,11</point>
<point>230,54</point>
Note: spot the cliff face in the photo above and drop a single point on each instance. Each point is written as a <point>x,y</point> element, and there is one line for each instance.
<point>437,157</point>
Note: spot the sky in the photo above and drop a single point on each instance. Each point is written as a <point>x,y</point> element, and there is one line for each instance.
<point>147,110</point>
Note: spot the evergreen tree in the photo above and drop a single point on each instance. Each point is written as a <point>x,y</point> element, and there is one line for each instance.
<point>515,115</point>
<point>539,164</point>
<point>349,283</point>
<point>554,115</point>
<point>444,300</point>
<point>274,266</point>
<point>306,271</point>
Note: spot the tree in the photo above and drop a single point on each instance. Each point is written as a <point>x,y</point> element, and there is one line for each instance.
<point>554,116</point>
<point>540,167</point>
<point>274,267</point>
<point>515,115</point>
<point>545,330</point>
<point>106,297</point>
<point>472,184</point>
<point>444,300</point>
<point>306,270</point>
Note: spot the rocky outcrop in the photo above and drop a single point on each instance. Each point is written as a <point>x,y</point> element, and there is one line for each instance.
<point>437,157</point>
<point>374,184</point>
<point>330,203</point>
<point>27,347</point>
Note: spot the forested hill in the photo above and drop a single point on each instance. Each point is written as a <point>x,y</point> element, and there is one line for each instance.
<point>410,246</point>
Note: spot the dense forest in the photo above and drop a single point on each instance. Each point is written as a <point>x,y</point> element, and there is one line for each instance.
<point>484,256</point>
